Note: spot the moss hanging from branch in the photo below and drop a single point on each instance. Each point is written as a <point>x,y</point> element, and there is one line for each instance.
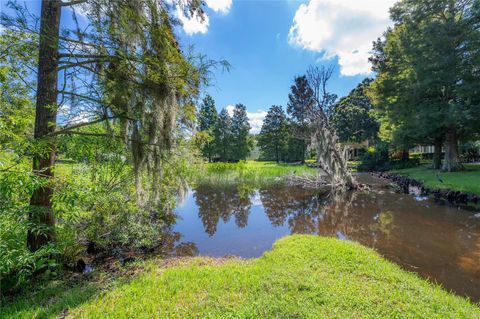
<point>332,157</point>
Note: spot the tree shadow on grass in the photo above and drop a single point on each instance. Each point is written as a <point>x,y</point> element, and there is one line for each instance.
<point>55,298</point>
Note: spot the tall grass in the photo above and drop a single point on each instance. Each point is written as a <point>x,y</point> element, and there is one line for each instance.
<point>249,172</point>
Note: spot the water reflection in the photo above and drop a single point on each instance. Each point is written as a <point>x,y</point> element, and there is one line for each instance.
<point>300,208</point>
<point>215,204</point>
<point>438,242</point>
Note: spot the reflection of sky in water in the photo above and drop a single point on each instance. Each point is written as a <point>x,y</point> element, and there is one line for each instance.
<point>439,242</point>
<point>255,199</point>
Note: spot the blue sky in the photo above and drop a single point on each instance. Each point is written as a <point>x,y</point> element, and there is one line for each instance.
<point>269,42</point>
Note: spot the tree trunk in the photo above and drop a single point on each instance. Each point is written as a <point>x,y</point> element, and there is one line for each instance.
<point>304,150</point>
<point>405,155</point>
<point>451,162</point>
<point>41,212</point>
<point>437,154</point>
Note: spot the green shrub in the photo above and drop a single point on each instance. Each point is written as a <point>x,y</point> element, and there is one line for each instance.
<point>17,263</point>
<point>378,159</point>
<point>92,202</point>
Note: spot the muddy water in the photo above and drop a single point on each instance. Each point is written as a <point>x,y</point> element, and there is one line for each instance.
<point>438,242</point>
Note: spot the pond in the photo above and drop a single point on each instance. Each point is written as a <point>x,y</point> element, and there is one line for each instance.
<point>439,242</point>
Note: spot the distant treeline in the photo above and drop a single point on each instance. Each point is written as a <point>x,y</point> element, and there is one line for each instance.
<point>285,135</point>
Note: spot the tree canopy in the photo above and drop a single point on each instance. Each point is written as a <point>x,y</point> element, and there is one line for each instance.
<point>274,135</point>
<point>427,81</point>
<point>352,116</point>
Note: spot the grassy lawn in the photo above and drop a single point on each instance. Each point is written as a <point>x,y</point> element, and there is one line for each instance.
<point>466,181</point>
<point>250,172</point>
<point>304,276</point>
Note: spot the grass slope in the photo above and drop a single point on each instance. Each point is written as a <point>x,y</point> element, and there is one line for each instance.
<point>304,276</point>
<point>465,181</point>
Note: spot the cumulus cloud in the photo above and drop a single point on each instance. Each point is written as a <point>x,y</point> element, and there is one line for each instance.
<point>341,28</point>
<point>254,118</point>
<point>222,6</point>
<point>196,24</point>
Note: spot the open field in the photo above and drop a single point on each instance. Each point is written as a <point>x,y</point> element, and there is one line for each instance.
<point>250,172</point>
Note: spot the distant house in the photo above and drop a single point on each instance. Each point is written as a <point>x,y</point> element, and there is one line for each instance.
<point>423,149</point>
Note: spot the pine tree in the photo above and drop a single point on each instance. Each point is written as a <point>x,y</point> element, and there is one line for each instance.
<point>300,104</point>
<point>274,135</point>
<point>207,120</point>
<point>223,136</point>
<point>240,129</point>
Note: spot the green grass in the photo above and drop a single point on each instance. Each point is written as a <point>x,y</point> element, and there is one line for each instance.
<point>465,181</point>
<point>249,172</point>
<point>304,276</point>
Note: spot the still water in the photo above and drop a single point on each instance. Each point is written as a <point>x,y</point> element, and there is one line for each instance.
<point>439,242</point>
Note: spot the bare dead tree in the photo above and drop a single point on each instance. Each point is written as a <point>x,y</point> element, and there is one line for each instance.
<point>332,157</point>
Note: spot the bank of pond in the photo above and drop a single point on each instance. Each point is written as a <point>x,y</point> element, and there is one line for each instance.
<point>247,245</point>
<point>303,276</point>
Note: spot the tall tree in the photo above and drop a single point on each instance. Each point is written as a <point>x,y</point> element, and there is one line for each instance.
<point>300,102</point>
<point>41,212</point>
<point>352,116</point>
<point>241,145</point>
<point>207,120</point>
<point>274,134</point>
<point>426,80</point>
<point>125,70</point>
<point>223,135</point>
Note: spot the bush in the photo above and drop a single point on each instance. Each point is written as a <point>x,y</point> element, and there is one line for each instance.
<point>92,202</point>
<point>378,159</point>
<point>17,263</point>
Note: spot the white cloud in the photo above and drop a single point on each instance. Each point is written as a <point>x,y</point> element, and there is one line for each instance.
<point>66,115</point>
<point>230,109</point>
<point>222,6</point>
<point>196,24</point>
<point>81,10</point>
<point>341,28</point>
<point>254,118</point>
<point>193,24</point>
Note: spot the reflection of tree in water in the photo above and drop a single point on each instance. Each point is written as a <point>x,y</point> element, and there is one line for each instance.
<point>348,214</point>
<point>357,216</point>
<point>351,214</point>
<point>301,208</point>
<point>169,244</point>
<point>215,203</point>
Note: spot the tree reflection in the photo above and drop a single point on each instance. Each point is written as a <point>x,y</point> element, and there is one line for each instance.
<point>436,242</point>
<point>349,214</point>
<point>169,244</point>
<point>215,203</point>
<point>300,208</point>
